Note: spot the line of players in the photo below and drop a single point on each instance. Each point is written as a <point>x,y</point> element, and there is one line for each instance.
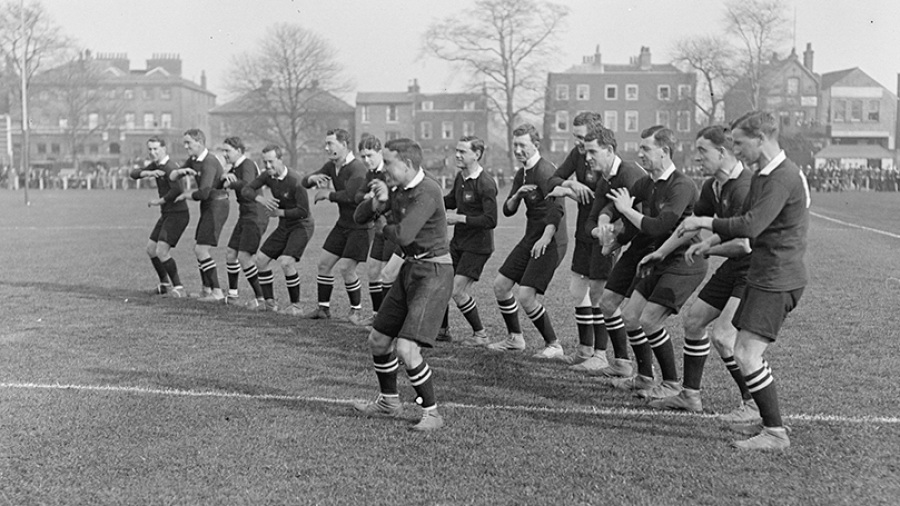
<point>654,215</point>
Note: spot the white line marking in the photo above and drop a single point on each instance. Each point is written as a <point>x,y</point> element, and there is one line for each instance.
<point>81,227</point>
<point>860,420</point>
<point>853,225</point>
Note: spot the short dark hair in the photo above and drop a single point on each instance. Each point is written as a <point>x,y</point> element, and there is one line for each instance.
<point>719,135</point>
<point>274,147</point>
<point>528,129</point>
<point>663,137</point>
<point>340,134</point>
<point>756,124</point>
<point>406,149</point>
<point>369,141</point>
<point>236,143</point>
<point>196,134</point>
<point>475,143</point>
<point>587,118</point>
<point>604,136</point>
<point>158,140</point>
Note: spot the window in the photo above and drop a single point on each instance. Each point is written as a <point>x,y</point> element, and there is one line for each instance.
<point>664,92</point>
<point>63,122</point>
<point>611,120</point>
<point>129,94</point>
<point>793,86</point>
<point>129,121</point>
<point>114,148</point>
<point>683,123</point>
<point>447,130</point>
<point>840,110</point>
<point>562,121</point>
<point>392,114</point>
<point>364,114</point>
<point>873,111</point>
<point>427,105</point>
<point>612,92</point>
<point>662,118</point>
<point>93,120</point>
<point>148,120</point>
<point>41,148</point>
<point>856,110</point>
<point>583,92</point>
<point>631,92</point>
<point>631,121</point>
<point>111,93</point>
<point>631,147</point>
<point>391,135</point>
<point>165,93</point>
<point>94,149</point>
<point>562,92</point>
<point>147,93</point>
<point>469,105</point>
<point>54,148</point>
<point>684,92</point>
<point>425,131</point>
<point>468,128</point>
<point>79,149</point>
<point>559,146</point>
<point>165,120</point>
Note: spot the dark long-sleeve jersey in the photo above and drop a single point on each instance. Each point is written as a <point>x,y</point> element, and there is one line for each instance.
<point>667,202</point>
<point>728,203</point>
<point>167,189</point>
<point>291,195</point>
<point>476,199</point>
<point>776,219</point>
<point>576,163</point>
<point>540,211</point>
<point>626,175</point>
<point>348,181</point>
<point>417,222</point>
<point>246,171</point>
<point>208,178</point>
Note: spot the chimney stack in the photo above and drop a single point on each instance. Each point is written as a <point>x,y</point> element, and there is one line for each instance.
<point>203,79</point>
<point>644,58</point>
<point>808,57</point>
<point>413,86</point>
<point>170,62</point>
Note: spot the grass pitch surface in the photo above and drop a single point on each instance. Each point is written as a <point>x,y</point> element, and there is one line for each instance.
<point>112,396</point>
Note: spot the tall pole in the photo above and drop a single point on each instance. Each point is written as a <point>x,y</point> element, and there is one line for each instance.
<point>26,146</point>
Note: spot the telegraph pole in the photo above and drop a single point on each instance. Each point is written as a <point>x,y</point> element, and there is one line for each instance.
<point>26,163</point>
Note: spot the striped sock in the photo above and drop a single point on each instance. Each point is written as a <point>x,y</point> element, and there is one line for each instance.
<point>601,337</point>
<point>615,327</point>
<point>509,308</point>
<point>541,320</point>
<point>642,352</point>
<point>584,321</point>
<point>252,275</point>
<point>376,293</point>
<point>172,271</point>
<point>735,371</point>
<point>354,293</point>
<point>762,388</point>
<point>266,278</point>
<point>208,267</point>
<point>160,270</point>
<point>325,285</point>
<point>420,377</point>
<point>469,310</point>
<point>293,287</point>
<point>234,272</point>
<point>695,354</point>
<point>665,354</point>
<point>386,370</point>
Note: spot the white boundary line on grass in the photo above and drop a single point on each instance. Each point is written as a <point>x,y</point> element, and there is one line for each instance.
<point>77,227</point>
<point>854,225</point>
<point>859,420</point>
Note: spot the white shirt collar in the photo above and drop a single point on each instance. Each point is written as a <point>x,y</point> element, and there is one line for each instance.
<point>203,155</point>
<point>474,175</point>
<point>666,173</point>
<point>380,167</point>
<point>349,159</point>
<point>415,180</point>
<point>615,168</point>
<point>775,162</point>
<point>164,161</point>
<point>239,161</point>
<point>736,170</point>
<point>531,162</point>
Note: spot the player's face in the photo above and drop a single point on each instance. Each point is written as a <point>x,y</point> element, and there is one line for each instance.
<point>335,150</point>
<point>156,151</point>
<point>193,146</point>
<point>465,157</point>
<point>399,171</point>
<point>746,148</point>
<point>708,156</point>
<point>651,155</point>
<point>231,153</point>
<point>599,157</point>
<point>523,148</point>
<point>273,165</point>
<point>579,132</point>
<point>371,158</point>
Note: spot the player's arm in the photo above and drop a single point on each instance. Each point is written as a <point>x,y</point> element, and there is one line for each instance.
<point>317,177</point>
<point>511,204</point>
<point>207,179</point>
<point>404,232</point>
<point>374,205</point>
<point>672,208</point>
<point>488,220</point>
<point>734,248</point>
<point>246,174</point>
<point>300,210</point>
<point>757,218</point>
<point>356,183</point>
<point>450,198</point>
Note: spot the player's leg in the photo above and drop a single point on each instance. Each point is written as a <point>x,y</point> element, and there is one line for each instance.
<point>266,280</point>
<point>324,285</point>
<point>374,267</point>
<point>723,336</point>
<point>247,261</point>
<point>174,226</point>
<point>386,365</point>
<point>631,317</point>
<point>610,302</point>
<point>232,265</point>
<point>356,251</point>
<point>164,283</point>
<point>509,309</point>
<point>209,274</point>
<point>535,280</point>
<point>292,281</point>
<point>579,288</point>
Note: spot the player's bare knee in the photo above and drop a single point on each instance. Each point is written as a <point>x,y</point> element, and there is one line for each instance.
<point>502,287</point>
<point>609,303</point>
<point>379,343</point>
<point>409,353</point>
<point>245,258</point>
<point>528,298</point>
<point>288,264</point>
<point>151,249</point>
<point>694,324</point>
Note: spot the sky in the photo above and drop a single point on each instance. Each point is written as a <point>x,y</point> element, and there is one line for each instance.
<point>378,41</point>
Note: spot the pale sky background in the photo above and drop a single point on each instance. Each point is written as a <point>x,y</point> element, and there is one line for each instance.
<point>378,41</point>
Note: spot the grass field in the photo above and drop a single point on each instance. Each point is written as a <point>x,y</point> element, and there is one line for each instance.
<point>111,396</point>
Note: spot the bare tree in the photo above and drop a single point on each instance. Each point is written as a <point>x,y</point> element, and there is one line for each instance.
<point>42,41</point>
<point>713,58</point>
<point>290,74</point>
<point>762,27</point>
<point>506,49</point>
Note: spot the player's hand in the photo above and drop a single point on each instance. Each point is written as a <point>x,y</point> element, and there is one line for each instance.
<point>540,247</point>
<point>560,192</point>
<point>583,193</point>
<point>321,195</point>
<point>695,250</point>
<point>454,218</point>
<point>525,189</point>
<point>229,178</point>
<point>270,203</point>
<point>155,202</point>
<point>155,173</point>
<point>689,224</point>
<point>319,180</point>
<point>650,259</point>
<point>183,196</point>
<point>380,189</point>
<point>621,198</point>
<point>187,171</point>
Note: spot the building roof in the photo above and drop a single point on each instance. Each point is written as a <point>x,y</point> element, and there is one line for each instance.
<point>592,68</point>
<point>320,101</point>
<point>109,73</point>
<point>871,151</point>
<point>384,97</point>
<point>829,79</point>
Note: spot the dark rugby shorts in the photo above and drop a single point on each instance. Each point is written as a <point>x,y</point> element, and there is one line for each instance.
<point>723,286</point>
<point>288,241</point>
<point>348,243</point>
<point>213,215</point>
<point>621,278</point>
<point>382,249</point>
<point>668,290</point>
<point>468,264</point>
<point>169,227</point>
<point>588,260</point>
<point>246,235</point>
<point>763,312</point>
<point>536,273</point>
<point>415,305</point>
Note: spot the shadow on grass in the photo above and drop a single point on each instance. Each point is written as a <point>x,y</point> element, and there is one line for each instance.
<point>85,291</point>
<point>165,380</point>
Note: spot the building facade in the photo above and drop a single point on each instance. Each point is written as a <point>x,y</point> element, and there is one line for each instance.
<point>631,97</point>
